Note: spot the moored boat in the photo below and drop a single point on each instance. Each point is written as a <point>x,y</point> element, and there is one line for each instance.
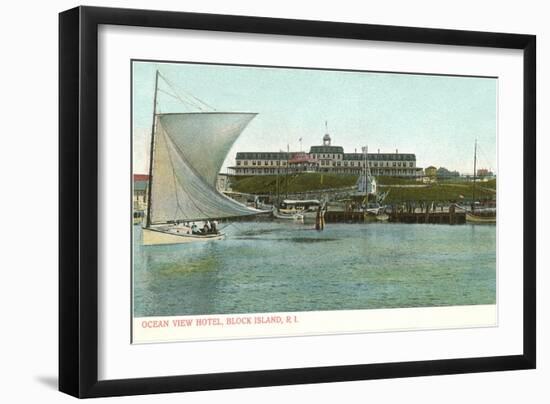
<point>480,218</point>
<point>297,210</point>
<point>382,217</point>
<point>298,217</point>
<point>477,214</point>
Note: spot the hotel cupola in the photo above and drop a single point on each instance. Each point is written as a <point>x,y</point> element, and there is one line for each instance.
<point>326,152</point>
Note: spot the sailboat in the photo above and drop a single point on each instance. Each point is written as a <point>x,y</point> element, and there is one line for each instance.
<point>186,155</point>
<point>479,216</point>
<point>366,185</point>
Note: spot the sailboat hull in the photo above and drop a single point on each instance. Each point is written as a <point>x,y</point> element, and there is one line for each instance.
<point>159,237</point>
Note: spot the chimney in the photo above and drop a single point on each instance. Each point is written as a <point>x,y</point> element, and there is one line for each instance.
<point>396,151</point>
<point>378,151</point>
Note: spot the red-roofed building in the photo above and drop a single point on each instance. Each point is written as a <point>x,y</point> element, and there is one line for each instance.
<point>141,181</point>
<point>141,177</point>
<point>302,162</point>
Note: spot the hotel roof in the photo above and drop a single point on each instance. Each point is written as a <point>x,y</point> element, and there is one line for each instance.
<point>326,149</point>
<point>381,156</point>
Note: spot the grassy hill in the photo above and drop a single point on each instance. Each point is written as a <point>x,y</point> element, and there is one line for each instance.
<point>437,192</point>
<point>383,180</point>
<point>400,189</point>
<point>267,184</point>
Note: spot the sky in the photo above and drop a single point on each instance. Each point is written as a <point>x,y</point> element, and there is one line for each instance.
<point>438,118</point>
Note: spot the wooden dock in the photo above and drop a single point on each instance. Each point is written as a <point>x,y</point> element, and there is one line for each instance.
<point>398,217</point>
<point>432,218</point>
<point>344,217</point>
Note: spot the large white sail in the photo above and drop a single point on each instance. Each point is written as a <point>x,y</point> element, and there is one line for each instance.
<point>204,138</point>
<point>189,151</point>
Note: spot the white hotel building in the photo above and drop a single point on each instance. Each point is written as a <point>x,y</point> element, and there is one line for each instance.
<point>325,158</point>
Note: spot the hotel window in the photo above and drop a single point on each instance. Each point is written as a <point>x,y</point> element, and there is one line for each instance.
<point>410,164</point>
<point>238,163</point>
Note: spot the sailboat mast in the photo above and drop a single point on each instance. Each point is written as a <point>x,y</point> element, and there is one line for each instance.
<point>365,178</point>
<point>151,152</point>
<point>287,169</point>
<point>277,179</point>
<point>475,163</point>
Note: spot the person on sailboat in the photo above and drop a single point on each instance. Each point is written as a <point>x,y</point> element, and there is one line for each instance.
<point>214,226</point>
<point>194,228</point>
<point>206,227</point>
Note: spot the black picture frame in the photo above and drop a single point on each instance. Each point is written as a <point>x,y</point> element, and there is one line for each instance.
<point>78,193</point>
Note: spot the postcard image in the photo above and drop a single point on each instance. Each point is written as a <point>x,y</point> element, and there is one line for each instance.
<point>284,201</point>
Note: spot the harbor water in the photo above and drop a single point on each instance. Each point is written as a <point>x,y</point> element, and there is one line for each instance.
<point>280,267</point>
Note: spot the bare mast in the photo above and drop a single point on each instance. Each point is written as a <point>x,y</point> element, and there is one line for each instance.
<point>151,152</point>
<point>474,184</point>
<point>365,173</point>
